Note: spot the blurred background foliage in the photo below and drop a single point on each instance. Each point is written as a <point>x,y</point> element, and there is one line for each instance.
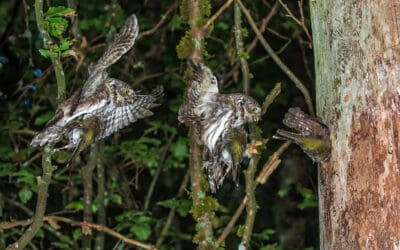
<point>154,151</point>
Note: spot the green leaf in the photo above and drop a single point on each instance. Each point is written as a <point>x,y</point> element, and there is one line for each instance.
<point>61,245</point>
<point>75,205</point>
<point>141,230</point>
<point>48,53</point>
<point>265,234</point>
<point>42,119</point>
<point>116,198</point>
<point>77,234</point>
<point>222,26</point>
<point>183,206</point>
<point>179,148</point>
<point>59,11</point>
<point>26,176</point>
<point>65,44</point>
<point>56,26</point>
<point>309,198</point>
<point>25,195</point>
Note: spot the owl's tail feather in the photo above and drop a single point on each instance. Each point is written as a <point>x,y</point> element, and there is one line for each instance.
<point>48,136</point>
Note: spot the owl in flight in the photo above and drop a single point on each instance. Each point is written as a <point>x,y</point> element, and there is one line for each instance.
<point>103,105</point>
<point>217,120</point>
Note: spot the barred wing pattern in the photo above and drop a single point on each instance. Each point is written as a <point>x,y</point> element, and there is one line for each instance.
<point>120,114</point>
<point>122,42</point>
<point>201,94</point>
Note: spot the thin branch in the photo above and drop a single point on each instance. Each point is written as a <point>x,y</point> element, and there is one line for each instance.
<point>100,198</point>
<point>37,221</point>
<point>253,44</point>
<point>278,61</point>
<point>47,41</point>
<point>87,182</point>
<point>239,48</point>
<point>204,235</point>
<point>53,220</point>
<point>158,172</point>
<point>216,15</point>
<point>269,167</point>
<point>171,213</point>
<point>164,17</point>
<point>251,169</point>
<point>271,97</point>
<point>299,22</point>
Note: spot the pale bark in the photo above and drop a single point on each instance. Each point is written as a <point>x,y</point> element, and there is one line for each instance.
<point>357,56</point>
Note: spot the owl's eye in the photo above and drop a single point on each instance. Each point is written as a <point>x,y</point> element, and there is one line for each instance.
<point>254,110</point>
<point>126,91</point>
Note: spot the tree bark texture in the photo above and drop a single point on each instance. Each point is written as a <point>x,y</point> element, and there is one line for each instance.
<point>357,60</point>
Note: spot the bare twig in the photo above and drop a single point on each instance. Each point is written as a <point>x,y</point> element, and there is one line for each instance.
<point>158,172</point>
<point>278,61</point>
<point>100,198</point>
<point>271,97</point>
<point>216,15</point>
<point>87,182</point>
<point>299,22</point>
<point>53,220</point>
<point>164,17</point>
<point>171,213</point>
<point>262,177</point>
<point>251,169</point>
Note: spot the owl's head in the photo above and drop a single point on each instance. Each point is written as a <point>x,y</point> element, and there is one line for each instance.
<point>250,108</point>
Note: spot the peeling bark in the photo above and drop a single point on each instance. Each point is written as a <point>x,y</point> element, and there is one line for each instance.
<point>357,58</point>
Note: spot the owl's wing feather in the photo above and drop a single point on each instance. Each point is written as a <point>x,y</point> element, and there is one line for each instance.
<point>119,115</point>
<point>201,94</point>
<point>49,136</point>
<point>122,42</point>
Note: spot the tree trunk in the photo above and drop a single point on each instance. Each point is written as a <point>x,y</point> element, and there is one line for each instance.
<point>357,58</point>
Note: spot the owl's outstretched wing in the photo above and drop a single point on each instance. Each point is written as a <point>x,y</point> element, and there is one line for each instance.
<point>49,136</point>
<point>201,95</point>
<point>122,42</point>
<point>121,114</point>
<point>303,123</point>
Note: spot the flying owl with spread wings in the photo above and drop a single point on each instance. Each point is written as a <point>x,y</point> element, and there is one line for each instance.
<point>218,121</point>
<point>103,105</point>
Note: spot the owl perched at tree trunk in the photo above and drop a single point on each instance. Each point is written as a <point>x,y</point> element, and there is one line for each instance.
<point>103,106</point>
<point>218,121</point>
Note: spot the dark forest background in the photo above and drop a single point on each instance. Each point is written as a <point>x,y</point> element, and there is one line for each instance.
<point>146,164</point>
